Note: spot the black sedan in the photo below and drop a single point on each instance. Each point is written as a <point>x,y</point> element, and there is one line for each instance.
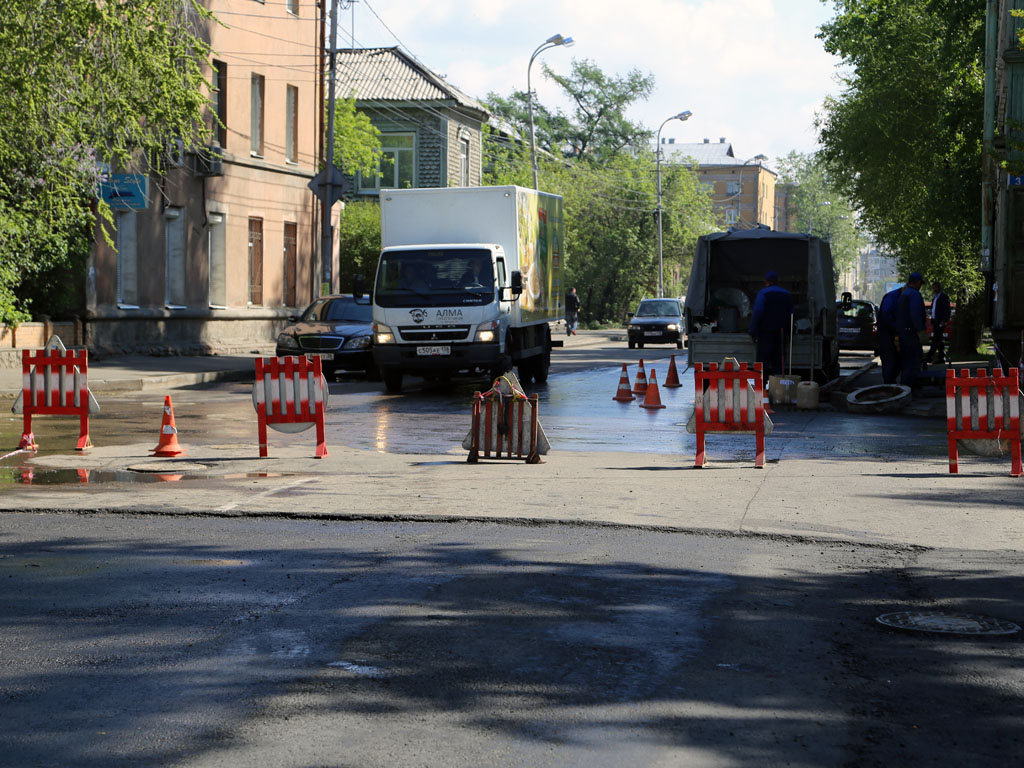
<point>338,328</point>
<point>656,321</point>
<point>857,325</point>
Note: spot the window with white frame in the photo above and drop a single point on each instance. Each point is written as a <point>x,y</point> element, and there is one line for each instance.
<point>731,215</point>
<point>732,188</point>
<point>127,261</point>
<point>397,164</point>
<point>256,115</point>
<point>464,162</point>
<point>217,254</point>
<point>292,6</point>
<point>174,253</point>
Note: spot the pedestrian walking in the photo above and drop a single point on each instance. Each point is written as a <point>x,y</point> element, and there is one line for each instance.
<point>887,338</point>
<point>911,328</point>
<point>940,314</point>
<point>572,312</point>
<point>770,324</point>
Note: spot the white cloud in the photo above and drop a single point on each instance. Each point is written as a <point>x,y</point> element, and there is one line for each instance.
<point>750,70</point>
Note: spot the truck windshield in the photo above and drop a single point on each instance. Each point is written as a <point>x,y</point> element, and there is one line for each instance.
<point>435,278</point>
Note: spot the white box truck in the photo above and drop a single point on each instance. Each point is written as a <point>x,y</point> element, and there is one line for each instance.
<point>468,280</point>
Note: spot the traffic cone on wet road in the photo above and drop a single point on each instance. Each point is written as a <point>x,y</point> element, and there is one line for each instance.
<point>625,393</point>
<point>640,386</point>
<point>652,399</point>
<point>672,377</point>
<point>168,445</point>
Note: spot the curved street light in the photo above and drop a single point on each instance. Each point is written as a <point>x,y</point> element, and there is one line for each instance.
<point>739,194</point>
<point>683,116</point>
<point>551,42</point>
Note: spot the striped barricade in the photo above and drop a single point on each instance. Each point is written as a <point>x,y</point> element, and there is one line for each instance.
<point>983,407</point>
<point>505,425</point>
<point>55,383</point>
<point>729,399</point>
<point>290,395</point>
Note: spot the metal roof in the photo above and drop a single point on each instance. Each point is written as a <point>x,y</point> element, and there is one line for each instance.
<point>389,74</point>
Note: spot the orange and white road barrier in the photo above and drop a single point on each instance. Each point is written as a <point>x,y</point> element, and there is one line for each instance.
<point>729,399</point>
<point>640,386</point>
<point>652,398</point>
<point>168,443</point>
<point>505,424</point>
<point>290,395</point>
<point>984,407</point>
<point>55,383</point>
<point>672,377</point>
<point>625,391</point>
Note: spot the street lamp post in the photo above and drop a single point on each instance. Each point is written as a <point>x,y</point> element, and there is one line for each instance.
<point>551,42</point>
<point>683,116</point>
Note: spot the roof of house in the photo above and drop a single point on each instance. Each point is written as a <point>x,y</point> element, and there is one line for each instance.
<point>707,154</point>
<point>389,74</point>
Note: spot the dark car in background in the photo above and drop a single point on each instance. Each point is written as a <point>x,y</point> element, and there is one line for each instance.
<point>338,328</point>
<point>857,325</point>
<point>656,321</point>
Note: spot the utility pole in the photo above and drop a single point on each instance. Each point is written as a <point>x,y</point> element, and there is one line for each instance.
<point>327,235</point>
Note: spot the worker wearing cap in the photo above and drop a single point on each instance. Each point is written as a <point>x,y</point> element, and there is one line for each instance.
<point>888,346</point>
<point>770,324</point>
<point>910,327</point>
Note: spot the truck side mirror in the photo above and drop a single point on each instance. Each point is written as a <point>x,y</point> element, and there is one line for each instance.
<point>516,285</point>
<point>846,302</point>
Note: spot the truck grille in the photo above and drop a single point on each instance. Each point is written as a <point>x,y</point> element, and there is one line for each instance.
<point>321,343</point>
<point>434,333</point>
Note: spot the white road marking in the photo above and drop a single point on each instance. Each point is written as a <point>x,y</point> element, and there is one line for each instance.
<point>268,492</point>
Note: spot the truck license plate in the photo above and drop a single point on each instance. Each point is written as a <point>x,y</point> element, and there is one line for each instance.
<point>433,351</point>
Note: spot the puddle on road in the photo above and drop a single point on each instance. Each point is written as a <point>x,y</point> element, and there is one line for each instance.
<point>30,475</point>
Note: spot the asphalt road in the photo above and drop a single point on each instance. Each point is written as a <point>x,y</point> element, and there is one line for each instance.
<point>209,642</point>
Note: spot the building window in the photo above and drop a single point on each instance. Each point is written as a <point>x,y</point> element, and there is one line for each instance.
<point>219,99</point>
<point>256,116</point>
<point>174,257</point>
<point>256,262</point>
<point>731,216</point>
<point>291,245</point>
<point>217,253</point>
<point>127,261</point>
<point>291,120</point>
<point>464,162</point>
<point>397,164</point>
<point>732,188</point>
<point>293,7</point>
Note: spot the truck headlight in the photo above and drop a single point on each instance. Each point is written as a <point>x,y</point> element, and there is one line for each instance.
<point>286,341</point>
<point>485,332</point>
<point>672,327</point>
<point>357,342</point>
<point>382,334</point>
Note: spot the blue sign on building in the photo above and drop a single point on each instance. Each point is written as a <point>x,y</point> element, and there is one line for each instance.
<point>1015,181</point>
<point>125,191</point>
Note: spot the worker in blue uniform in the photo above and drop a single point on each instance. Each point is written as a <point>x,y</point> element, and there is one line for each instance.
<point>771,323</point>
<point>888,347</point>
<point>910,326</point>
<point>940,314</point>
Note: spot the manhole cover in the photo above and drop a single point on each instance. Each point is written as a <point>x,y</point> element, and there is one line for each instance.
<point>169,466</point>
<point>947,623</point>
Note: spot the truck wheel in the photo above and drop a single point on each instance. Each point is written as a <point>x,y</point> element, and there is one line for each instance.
<point>393,382</point>
<point>632,344</point>
<point>640,345</point>
<point>541,367</point>
<point>527,370</point>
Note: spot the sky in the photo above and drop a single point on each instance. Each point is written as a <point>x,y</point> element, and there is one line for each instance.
<point>751,71</point>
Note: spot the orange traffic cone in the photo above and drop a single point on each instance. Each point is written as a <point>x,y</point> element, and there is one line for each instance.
<point>652,399</point>
<point>168,445</point>
<point>625,393</point>
<point>672,377</point>
<point>641,380</point>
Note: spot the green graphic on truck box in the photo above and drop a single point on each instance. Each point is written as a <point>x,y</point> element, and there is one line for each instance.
<point>540,255</point>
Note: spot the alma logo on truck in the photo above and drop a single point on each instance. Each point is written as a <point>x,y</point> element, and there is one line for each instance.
<point>418,315</point>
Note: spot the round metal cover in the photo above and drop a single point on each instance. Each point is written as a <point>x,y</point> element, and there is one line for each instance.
<point>947,623</point>
<point>169,466</point>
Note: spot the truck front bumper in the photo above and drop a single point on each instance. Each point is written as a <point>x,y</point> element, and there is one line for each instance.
<point>462,357</point>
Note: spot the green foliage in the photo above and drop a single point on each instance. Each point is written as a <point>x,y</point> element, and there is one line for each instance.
<point>356,140</point>
<point>84,83</point>
<point>818,208</point>
<point>903,141</point>
<point>358,242</point>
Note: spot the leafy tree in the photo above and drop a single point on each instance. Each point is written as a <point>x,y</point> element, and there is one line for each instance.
<point>358,242</point>
<point>903,140</point>
<point>597,129</point>
<point>356,140</point>
<point>820,210</point>
<point>83,84</point>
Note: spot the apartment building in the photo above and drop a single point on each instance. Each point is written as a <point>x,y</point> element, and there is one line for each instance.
<point>742,191</point>
<point>214,254</point>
